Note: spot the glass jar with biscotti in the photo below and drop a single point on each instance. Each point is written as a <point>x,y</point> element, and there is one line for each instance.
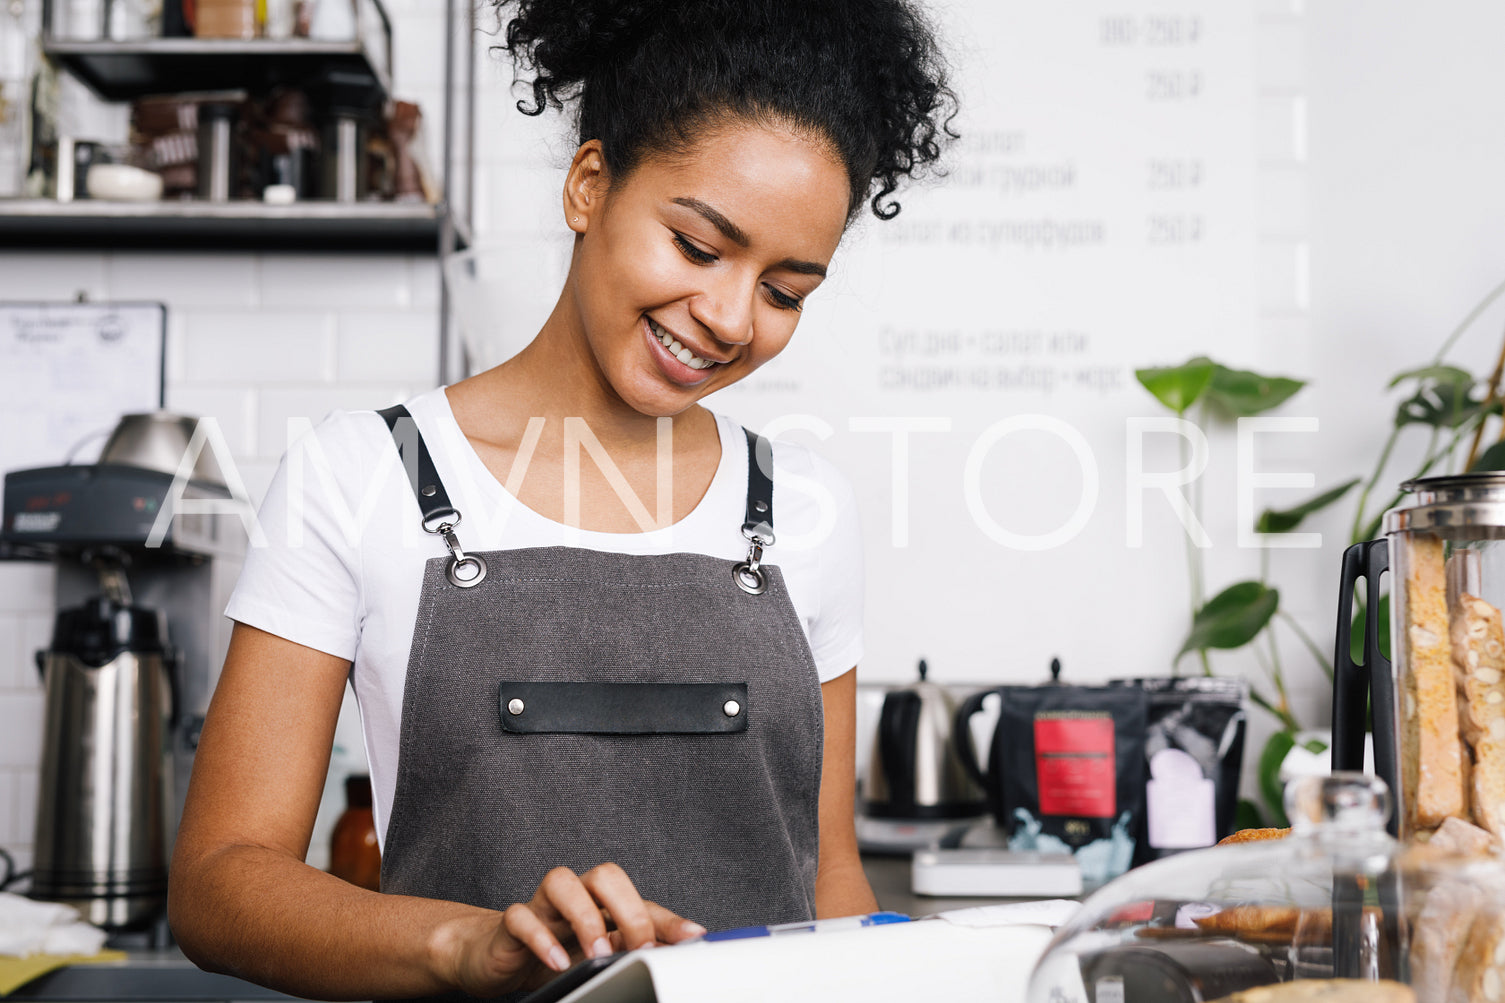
<point>1436,706</point>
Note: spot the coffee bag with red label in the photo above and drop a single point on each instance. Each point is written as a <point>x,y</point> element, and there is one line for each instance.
<point>1067,765</point>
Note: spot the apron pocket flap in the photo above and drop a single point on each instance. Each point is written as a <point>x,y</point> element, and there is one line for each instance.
<point>624,708</point>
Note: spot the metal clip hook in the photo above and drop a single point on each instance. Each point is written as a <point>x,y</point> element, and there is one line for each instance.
<point>458,558</point>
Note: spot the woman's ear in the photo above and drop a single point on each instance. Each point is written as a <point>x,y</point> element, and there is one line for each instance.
<point>583,186</point>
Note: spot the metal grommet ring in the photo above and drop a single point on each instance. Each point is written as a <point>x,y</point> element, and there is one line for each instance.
<point>441,521</point>
<point>451,571</point>
<point>749,579</point>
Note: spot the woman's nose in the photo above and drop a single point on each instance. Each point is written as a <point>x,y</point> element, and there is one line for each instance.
<point>725,308</point>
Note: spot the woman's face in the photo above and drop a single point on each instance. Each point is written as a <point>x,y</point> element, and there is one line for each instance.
<point>713,252</point>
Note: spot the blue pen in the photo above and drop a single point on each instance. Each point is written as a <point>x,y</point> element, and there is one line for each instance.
<point>814,926</point>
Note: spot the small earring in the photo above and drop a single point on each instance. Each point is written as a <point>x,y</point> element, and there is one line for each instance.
<point>574,219</point>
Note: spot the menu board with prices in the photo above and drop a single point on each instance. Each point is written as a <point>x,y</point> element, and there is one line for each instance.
<point>1097,215</point>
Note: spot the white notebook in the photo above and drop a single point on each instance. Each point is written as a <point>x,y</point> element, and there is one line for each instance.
<point>931,959</point>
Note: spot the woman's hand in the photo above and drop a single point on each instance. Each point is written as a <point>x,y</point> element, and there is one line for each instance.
<point>570,916</point>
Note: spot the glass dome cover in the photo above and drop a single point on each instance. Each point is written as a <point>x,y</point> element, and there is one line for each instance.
<point>1296,918</point>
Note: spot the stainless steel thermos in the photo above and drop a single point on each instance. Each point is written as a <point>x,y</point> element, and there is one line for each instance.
<point>104,801</point>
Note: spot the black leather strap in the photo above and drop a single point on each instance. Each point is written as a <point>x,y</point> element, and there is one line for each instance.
<point>433,500</point>
<point>623,708</point>
<point>759,487</point>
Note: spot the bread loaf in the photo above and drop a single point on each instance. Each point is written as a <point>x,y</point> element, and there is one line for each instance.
<point>1432,767</point>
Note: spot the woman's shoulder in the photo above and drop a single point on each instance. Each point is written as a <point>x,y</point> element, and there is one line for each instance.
<point>357,435</point>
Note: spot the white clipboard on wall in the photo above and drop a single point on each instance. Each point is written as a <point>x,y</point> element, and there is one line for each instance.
<point>68,371</point>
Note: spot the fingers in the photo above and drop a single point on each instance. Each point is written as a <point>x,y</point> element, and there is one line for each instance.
<point>575,902</point>
<point>610,886</point>
<point>582,904</point>
<point>670,927</point>
<point>524,926</point>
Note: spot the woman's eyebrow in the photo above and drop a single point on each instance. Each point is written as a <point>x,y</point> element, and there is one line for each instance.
<point>731,231</point>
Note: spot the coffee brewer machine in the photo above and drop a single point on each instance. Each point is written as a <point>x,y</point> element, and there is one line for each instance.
<point>136,648</point>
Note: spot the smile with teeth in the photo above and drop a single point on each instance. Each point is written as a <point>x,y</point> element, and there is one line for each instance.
<point>679,351</point>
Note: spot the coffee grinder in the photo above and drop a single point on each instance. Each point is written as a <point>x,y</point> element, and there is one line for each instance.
<point>137,644</point>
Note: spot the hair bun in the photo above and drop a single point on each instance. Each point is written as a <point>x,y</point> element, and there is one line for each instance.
<point>647,76</point>
<point>565,42</point>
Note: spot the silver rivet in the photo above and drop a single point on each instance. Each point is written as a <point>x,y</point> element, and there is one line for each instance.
<point>514,706</point>
<point>731,708</point>
<point>760,506</point>
<point>429,491</point>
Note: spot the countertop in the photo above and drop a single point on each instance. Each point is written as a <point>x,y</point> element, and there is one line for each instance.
<point>165,976</point>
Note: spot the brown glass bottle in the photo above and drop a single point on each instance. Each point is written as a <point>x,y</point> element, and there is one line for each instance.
<point>353,851</point>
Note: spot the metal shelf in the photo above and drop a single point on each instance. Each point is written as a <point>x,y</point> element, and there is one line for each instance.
<point>122,71</point>
<point>244,225</point>
<point>125,69</point>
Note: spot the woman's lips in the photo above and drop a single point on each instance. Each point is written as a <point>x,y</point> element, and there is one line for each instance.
<point>674,370</point>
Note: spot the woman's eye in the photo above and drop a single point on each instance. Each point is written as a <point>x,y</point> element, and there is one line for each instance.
<point>692,252</point>
<point>783,300</point>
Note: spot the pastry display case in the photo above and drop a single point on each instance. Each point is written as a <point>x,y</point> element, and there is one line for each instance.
<point>1337,910</point>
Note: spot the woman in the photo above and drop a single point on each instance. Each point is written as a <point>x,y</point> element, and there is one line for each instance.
<point>607,704</point>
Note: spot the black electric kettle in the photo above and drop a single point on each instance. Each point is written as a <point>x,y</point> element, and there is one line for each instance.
<point>913,772</point>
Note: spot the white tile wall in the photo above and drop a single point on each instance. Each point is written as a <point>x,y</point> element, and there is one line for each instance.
<point>10,820</point>
<point>371,282</point>
<point>258,346</point>
<point>215,281</point>
<point>21,738</point>
<point>53,275</point>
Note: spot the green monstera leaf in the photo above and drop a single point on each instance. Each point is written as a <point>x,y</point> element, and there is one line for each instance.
<point>1232,618</point>
<point>1492,458</point>
<point>1242,394</point>
<point>1178,387</point>
<point>1271,790</point>
<point>1284,520</point>
<point>1443,398</point>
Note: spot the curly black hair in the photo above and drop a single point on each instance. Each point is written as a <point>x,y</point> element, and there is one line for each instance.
<point>867,75</point>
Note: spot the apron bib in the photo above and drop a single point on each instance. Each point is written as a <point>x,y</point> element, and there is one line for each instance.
<point>564,706</point>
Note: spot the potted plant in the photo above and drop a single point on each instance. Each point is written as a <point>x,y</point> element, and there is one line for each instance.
<point>1443,403</point>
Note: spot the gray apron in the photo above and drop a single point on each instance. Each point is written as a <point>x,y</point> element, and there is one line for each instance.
<point>570,707</point>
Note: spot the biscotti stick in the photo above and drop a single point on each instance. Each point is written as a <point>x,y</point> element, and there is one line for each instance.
<point>1479,656</point>
<point>1431,750</point>
<point>1480,973</point>
<point>1439,935</point>
<point>1460,838</point>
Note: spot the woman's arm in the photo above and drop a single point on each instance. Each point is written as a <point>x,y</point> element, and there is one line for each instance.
<point>242,901</point>
<point>841,887</point>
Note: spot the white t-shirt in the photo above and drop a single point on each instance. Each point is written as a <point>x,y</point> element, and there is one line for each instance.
<point>343,567</point>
